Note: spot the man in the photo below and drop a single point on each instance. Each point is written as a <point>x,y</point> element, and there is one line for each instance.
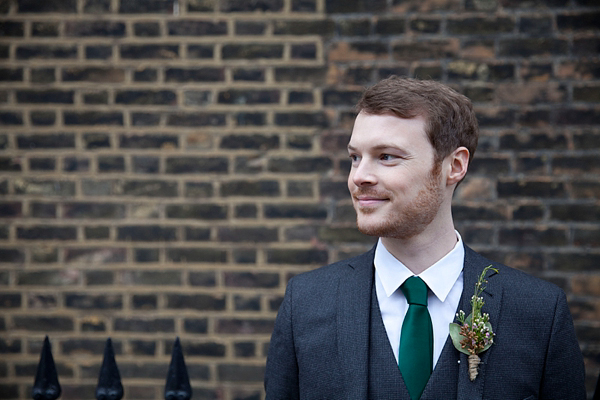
<point>348,330</point>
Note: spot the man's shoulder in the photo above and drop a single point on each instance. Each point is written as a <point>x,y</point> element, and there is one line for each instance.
<point>335,270</point>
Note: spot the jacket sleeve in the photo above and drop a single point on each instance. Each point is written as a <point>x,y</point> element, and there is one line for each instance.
<point>281,375</point>
<point>564,372</point>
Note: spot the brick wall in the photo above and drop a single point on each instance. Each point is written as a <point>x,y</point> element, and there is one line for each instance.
<point>167,165</point>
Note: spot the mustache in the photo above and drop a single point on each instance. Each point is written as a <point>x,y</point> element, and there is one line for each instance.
<point>369,192</point>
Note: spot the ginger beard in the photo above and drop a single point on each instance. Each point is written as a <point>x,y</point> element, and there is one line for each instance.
<point>402,221</point>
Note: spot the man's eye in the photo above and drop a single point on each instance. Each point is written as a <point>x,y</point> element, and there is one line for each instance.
<point>387,157</point>
<point>353,157</point>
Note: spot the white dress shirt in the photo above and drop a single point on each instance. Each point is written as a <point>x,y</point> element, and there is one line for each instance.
<point>445,282</point>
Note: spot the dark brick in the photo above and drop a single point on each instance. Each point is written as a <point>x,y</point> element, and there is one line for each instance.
<point>93,118</point>
<point>98,52</point>
<point>586,237</point>
<point>44,255</point>
<point>240,373</point>
<point>248,97</point>
<point>42,164</point>
<point>197,234</point>
<point>246,303</point>
<point>253,235</point>
<point>573,262</point>
<point>198,189</point>
<point>195,119</point>
<point>9,300</point>
<point>304,5</point>
<point>533,237</point>
<point>49,6</point>
<point>422,25</point>
<point>303,119</point>
<point>480,25</point>
<point>196,255</point>
<point>97,232</point>
<point>297,256</point>
<point>314,75</point>
<point>143,347</point>
<point>252,75</point>
<point>10,164</point>
<point>96,141</point>
<point>150,188</point>
<point>354,6</point>
<point>200,51</point>
<point>145,165</point>
<point>42,118</point>
<point>95,98</point>
<point>390,26</point>
<point>250,119</point>
<point>157,97</point>
<point>252,51</point>
<point>153,277</point>
<point>43,324</point>
<point>45,96</point>
<point>145,75</point>
<point>533,141</point>
<point>325,27</point>
<point>432,49</point>
<point>44,29</point>
<point>146,255</point>
<point>255,141</point>
<point>531,189</point>
<point>300,97</point>
<point>245,326</point>
<point>207,74</point>
<point>46,188</point>
<point>250,28</point>
<point>11,118</point>
<point>111,164</point>
<point>577,116</point>
<point>250,188</point>
<point>196,211</point>
<point>301,164</point>
<point>202,302</point>
<point>578,21</point>
<point>532,47</point>
<point>96,6</point>
<point>184,27</point>
<point>144,325</point>
<point>244,349</point>
<point>46,141</point>
<point>90,302</point>
<point>10,209</point>
<point>204,278</point>
<point>94,28</point>
<point>478,213</point>
<point>9,391</point>
<point>11,255</point>
<point>244,256</point>
<point>191,165</point>
<point>251,280</point>
<point>145,119</point>
<point>42,75</point>
<point>147,6</point>
<point>42,210</point>
<point>200,349</point>
<point>149,51</point>
<point>528,212</point>
<point>536,25</point>
<point>587,46</point>
<point>96,255</point>
<point>341,97</point>
<point>93,210</point>
<point>27,52</point>
<point>252,5</point>
<point>146,29</point>
<point>353,27</point>
<point>47,233</point>
<point>575,212</point>
<point>575,165</point>
<point>195,325</point>
<point>587,93</point>
<point>489,166</point>
<point>146,233</point>
<point>309,211</point>
<point>11,74</point>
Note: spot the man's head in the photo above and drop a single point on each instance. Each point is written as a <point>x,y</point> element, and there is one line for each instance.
<point>450,119</point>
<point>411,145</point>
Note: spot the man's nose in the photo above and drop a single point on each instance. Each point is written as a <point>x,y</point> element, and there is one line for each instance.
<point>363,174</point>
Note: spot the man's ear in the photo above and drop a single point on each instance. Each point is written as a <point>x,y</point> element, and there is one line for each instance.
<point>458,163</point>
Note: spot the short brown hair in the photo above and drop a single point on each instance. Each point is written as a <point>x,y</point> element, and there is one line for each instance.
<point>450,119</point>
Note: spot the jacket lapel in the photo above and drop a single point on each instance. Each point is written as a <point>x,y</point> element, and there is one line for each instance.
<point>492,296</point>
<point>354,302</point>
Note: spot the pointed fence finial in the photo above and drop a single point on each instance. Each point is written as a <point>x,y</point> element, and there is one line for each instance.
<point>109,381</point>
<point>46,386</point>
<point>178,383</point>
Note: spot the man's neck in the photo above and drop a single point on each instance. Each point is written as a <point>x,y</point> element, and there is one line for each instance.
<point>422,251</point>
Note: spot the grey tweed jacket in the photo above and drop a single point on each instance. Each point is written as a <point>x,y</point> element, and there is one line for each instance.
<point>319,347</point>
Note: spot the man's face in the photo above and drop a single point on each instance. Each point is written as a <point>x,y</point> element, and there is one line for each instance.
<point>395,185</point>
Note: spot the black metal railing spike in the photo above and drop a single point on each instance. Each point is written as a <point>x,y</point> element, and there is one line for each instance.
<point>46,386</point>
<point>178,383</point>
<point>109,381</point>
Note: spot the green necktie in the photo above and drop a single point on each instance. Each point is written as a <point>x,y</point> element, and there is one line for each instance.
<point>415,358</point>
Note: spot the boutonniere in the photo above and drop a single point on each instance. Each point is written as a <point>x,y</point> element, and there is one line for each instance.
<point>473,334</point>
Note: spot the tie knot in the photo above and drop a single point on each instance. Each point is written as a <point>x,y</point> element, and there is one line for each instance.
<point>415,291</point>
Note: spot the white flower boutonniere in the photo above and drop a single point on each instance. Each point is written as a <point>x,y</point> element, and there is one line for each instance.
<point>473,334</point>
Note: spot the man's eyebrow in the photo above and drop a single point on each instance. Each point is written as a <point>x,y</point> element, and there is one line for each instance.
<point>379,147</point>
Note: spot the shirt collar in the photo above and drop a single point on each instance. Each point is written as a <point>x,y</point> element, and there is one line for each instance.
<point>440,277</point>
